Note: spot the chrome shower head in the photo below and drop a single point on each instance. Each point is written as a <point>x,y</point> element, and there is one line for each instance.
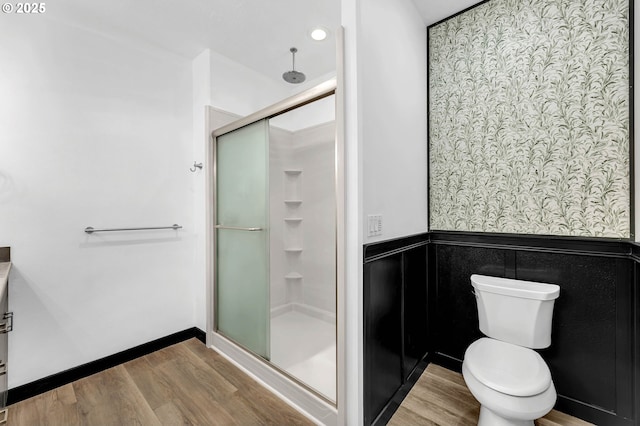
<point>293,76</point>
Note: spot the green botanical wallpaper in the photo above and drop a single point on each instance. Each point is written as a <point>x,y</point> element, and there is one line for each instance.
<point>529,118</point>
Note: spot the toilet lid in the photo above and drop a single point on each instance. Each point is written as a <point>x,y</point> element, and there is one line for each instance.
<point>507,368</point>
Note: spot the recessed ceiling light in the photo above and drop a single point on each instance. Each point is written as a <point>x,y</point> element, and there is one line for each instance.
<point>318,34</point>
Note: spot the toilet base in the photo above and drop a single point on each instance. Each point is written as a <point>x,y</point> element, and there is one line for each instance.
<point>489,418</point>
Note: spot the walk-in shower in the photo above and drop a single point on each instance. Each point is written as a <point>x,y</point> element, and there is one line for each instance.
<point>274,225</point>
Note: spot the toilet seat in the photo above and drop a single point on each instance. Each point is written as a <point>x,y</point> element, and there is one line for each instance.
<point>521,410</point>
<point>507,368</point>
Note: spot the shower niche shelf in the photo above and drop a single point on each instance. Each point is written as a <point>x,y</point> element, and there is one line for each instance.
<point>293,276</point>
<point>293,185</point>
<point>293,223</point>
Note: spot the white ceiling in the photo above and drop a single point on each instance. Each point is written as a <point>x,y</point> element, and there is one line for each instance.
<point>433,11</point>
<point>255,33</point>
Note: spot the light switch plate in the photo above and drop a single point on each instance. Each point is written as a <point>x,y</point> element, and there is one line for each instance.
<point>374,225</point>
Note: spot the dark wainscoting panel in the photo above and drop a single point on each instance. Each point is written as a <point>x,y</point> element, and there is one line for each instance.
<point>383,339</point>
<point>415,325</point>
<point>454,304</point>
<point>587,316</point>
<point>594,329</point>
<point>636,348</point>
<point>395,323</point>
<point>595,350</point>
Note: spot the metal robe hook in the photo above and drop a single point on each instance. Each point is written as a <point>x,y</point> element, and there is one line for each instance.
<point>195,165</point>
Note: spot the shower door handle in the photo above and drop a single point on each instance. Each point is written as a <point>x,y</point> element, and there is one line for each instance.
<point>236,228</point>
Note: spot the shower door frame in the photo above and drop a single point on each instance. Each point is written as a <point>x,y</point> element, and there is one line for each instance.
<point>227,346</point>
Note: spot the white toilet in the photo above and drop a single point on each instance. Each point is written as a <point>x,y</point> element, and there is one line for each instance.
<point>511,381</point>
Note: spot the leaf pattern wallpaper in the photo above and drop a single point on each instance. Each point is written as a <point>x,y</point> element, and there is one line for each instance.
<point>529,119</point>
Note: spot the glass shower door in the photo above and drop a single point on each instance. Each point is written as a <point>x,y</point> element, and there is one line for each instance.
<point>242,237</point>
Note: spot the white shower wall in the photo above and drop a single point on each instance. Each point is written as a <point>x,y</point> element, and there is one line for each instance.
<point>311,152</point>
<point>315,153</point>
<point>280,155</point>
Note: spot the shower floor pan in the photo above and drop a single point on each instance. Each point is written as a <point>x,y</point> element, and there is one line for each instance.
<point>305,347</point>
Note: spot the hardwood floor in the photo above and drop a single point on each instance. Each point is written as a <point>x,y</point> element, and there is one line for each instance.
<point>183,384</point>
<point>441,397</point>
<point>188,384</point>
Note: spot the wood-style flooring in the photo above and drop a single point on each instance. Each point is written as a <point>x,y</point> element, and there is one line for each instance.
<point>188,384</point>
<point>183,384</point>
<point>441,397</point>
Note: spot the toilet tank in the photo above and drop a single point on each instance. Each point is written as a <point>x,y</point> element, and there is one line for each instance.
<point>515,311</point>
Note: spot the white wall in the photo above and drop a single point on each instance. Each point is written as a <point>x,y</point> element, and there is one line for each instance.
<point>241,90</point>
<point>93,132</point>
<point>201,87</point>
<point>394,88</point>
<point>386,145</point>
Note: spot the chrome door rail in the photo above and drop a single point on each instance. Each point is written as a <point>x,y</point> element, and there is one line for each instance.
<point>320,91</point>
<point>237,228</point>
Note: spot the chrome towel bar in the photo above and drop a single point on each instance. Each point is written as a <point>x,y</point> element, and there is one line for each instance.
<point>91,230</point>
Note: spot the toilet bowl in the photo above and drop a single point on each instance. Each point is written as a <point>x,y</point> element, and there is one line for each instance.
<point>513,384</point>
<point>510,380</point>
